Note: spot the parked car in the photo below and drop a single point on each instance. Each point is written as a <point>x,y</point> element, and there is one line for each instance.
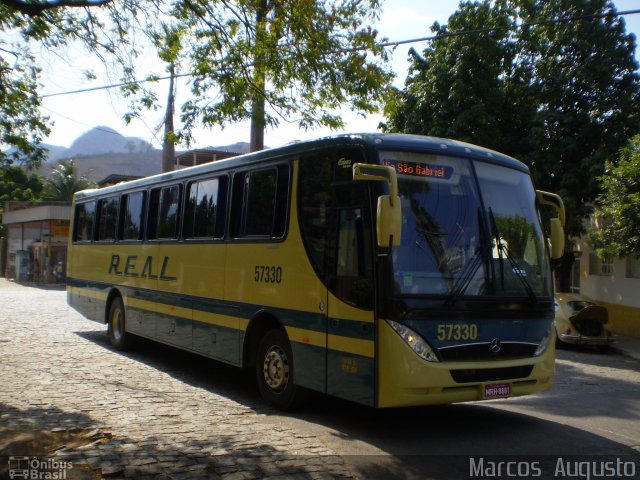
<point>581,321</point>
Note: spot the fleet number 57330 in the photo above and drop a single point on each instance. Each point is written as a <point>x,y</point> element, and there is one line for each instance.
<point>457,331</point>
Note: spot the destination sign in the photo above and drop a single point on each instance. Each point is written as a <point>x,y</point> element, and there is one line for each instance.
<point>416,169</point>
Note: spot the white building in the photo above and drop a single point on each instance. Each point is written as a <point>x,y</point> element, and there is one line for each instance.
<point>614,283</point>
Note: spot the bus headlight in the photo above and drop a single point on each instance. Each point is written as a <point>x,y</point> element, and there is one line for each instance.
<point>544,343</point>
<point>415,341</point>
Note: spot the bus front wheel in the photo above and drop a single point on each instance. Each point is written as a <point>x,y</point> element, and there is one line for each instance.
<point>274,371</point>
<point>118,335</point>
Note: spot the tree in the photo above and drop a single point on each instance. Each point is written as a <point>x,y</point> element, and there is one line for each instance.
<point>107,29</point>
<point>587,91</point>
<point>64,182</point>
<point>38,8</point>
<point>22,127</point>
<point>560,94</point>
<point>169,45</point>
<point>618,206</point>
<point>291,60</point>
<point>16,184</point>
<point>469,86</point>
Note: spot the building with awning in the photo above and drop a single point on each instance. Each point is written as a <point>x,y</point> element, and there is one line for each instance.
<point>34,248</point>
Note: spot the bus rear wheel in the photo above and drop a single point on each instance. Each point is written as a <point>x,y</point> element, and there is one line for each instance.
<point>274,371</point>
<point>118,336</point>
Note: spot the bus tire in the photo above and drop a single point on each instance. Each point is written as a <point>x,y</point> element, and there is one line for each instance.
<point>274,371</point>
<point>118,336</point>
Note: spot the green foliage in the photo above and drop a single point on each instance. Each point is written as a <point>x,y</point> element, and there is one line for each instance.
<point>587,88</point>
<point>561,96</point>
<point>22,127</point>
<point>467,87</point>
<point>64,182</point>
<point>105,28</point>
<point>294,60</point>
<point>16,184</point>
<point>304,59</point>
<point>619,205</point>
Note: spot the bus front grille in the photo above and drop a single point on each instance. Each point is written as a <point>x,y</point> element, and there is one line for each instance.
<point>482,351</point>
<point>490,374</point>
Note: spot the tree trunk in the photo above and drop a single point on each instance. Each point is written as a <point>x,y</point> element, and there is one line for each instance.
<point>168,148</point>
<point>257,124</point>
<point>259,80</point>
<point>563,272</point>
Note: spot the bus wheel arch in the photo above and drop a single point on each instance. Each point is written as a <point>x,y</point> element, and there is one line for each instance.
<point>268,349</point>
<point>112,295</point>
<point>258,327</point>
<point>116,323</point>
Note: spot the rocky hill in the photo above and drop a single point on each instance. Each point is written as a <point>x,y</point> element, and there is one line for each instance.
<point>102,151</point>
<point>99,141</point>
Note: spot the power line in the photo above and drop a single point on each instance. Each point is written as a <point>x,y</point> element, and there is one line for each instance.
<point>384,45</point>
<point>516,27</point>
<point>105,130</point>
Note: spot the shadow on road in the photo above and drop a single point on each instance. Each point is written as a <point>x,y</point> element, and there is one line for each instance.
<point>425,442</point>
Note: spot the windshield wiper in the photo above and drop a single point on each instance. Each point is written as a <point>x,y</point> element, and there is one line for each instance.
<point>470,269</point>
<point>465,278</point>
<point>503,249</point>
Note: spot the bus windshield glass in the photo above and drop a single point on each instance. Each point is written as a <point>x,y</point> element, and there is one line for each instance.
<point>468,229</point>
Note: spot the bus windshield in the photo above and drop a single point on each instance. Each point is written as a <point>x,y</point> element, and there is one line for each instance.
<point>468,229</point>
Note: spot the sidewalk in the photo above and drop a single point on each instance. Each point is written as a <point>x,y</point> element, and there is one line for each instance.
<point>627,346</point>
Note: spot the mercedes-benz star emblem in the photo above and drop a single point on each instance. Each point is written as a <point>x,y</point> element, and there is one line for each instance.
<point>495,345</point>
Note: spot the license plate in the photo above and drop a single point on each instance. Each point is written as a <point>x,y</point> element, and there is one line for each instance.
<point>497,390</point>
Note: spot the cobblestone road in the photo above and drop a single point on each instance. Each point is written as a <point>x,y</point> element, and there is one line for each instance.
<point>131,415</point>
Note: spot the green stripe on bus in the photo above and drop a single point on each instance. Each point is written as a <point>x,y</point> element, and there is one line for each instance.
<point>289,318</point>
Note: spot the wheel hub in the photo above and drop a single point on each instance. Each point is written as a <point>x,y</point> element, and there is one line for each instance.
<point>117,324</point>
<point>276,369</point>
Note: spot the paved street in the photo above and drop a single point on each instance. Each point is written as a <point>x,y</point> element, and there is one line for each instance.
<point>140,414</point>
<point>159,412</point>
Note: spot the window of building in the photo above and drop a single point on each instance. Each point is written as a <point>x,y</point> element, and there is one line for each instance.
<point>164,211</point>
<point>206,208</point>
<point>598,266</point>
<point>133,208</point>
<point>84,221</point>
<point>108,218</point>
<point>633,267</point>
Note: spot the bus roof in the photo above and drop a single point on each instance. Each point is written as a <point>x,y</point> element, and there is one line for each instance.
<point>379,141</point>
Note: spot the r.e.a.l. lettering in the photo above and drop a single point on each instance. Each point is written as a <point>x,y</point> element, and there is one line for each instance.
<point>132,266</point>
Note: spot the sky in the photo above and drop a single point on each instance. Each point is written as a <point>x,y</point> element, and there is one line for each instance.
<point>77,113</point>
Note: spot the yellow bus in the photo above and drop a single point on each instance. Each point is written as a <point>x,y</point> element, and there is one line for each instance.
<point>386,269</point>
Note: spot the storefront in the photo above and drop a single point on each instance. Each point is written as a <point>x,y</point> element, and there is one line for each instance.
<point>36,236</point>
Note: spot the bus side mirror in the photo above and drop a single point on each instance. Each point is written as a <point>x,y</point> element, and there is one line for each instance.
<point>556,223</point>
<point>389,212</point>
<point>557,238</point>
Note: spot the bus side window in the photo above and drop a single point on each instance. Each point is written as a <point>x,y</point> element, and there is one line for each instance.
<point>206,208</point>
<point>164,210</point>
<point>350,257</point>
<point>132,210</point>
<point>108,218</point>
<point>84,222</point>
<point>260,201</point>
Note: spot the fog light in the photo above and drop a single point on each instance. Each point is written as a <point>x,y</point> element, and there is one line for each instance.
<point>415,341</point>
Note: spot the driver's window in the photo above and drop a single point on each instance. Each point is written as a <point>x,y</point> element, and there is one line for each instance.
<point>352,281</point>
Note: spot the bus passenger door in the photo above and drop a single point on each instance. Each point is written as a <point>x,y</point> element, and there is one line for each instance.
<point>351,327</point>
